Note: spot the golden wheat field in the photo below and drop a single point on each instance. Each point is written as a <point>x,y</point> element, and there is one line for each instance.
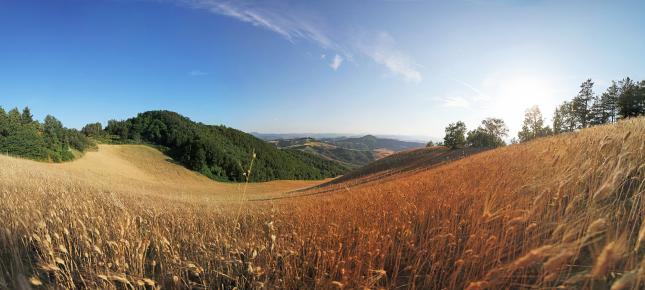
<point>559,212</point>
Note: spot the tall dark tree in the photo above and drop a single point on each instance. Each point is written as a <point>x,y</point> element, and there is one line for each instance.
<point>581,104</point>
<point>597,114</point>
<point>609,103</point>
<point>605,107</point>
<point>631,102</point>
<point>455,135</point>
<point>26,117</point>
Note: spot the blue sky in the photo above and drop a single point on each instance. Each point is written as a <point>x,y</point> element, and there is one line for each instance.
<point>384,67</point>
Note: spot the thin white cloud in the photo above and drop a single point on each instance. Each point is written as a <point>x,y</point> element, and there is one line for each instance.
<point>455,102</point>
<point>335,64</point>
<point>383,50</point>
<point>197,73</point>
<point>292,26</point>
<point>296,25</point>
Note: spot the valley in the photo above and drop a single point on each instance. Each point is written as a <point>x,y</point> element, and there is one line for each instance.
<point>352,152</point>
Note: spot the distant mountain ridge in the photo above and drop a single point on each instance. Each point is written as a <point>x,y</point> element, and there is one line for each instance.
<point>371,142</point>
<point>276,136</point>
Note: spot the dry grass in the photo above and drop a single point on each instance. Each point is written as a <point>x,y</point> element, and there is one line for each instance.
<point>564,211</point>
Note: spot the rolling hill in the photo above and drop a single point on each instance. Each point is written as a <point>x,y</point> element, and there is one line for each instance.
<point>138,170</point>
<point>219,152</point>
<point>353,152</point>
<point>371,142</point>
<point>560,212</point>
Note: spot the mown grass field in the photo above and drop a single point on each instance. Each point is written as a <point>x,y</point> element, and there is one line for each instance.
<point>564,211</point>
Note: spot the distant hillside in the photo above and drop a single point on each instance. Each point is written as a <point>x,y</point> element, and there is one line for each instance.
<point>354,152</point>
<point>285,136</point>
<point>327,136</point>
<point>220,152</point>
<point>370,142</point>
<point>349,157</point>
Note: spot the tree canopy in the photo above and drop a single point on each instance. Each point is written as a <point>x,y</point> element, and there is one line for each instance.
<point>22,136</point>
<point>455,135</point>
<point>489,134</point>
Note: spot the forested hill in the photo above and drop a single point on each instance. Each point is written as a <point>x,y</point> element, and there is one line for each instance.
<point>220,152</point>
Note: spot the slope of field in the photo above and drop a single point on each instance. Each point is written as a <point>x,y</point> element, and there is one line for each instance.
<point>564,211</point>
<point>140,169</point>
<point>411,160</point>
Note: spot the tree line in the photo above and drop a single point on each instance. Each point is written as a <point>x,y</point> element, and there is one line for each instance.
<point>22,136</point>
<point>622,99</point>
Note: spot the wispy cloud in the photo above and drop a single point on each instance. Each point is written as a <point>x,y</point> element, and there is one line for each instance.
<point>480,96</point>
<point>383,50</point>
<point>335,64</point>
<point>455,102</point>
<point>292,26</point>
<point>296,25</point>
<point>197,73</point>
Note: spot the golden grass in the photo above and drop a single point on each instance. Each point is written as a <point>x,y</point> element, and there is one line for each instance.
<point>564,211</point>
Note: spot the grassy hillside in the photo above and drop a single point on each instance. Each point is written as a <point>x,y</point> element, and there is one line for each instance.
<point>564,211</point>
<point>220,152</point>
<point>415,159</point>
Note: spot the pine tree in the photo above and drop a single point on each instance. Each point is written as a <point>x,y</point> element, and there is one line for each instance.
<point>26,117</point>
<point>597,112</point>
<point>631,102</point>
<point>582,104</point>
<point>610,101</point>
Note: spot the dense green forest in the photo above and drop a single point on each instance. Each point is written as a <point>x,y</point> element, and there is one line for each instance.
<point>22,136</point>
<point>218,152</point>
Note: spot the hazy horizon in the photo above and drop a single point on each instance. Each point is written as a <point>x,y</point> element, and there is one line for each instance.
<point>403,68</point>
